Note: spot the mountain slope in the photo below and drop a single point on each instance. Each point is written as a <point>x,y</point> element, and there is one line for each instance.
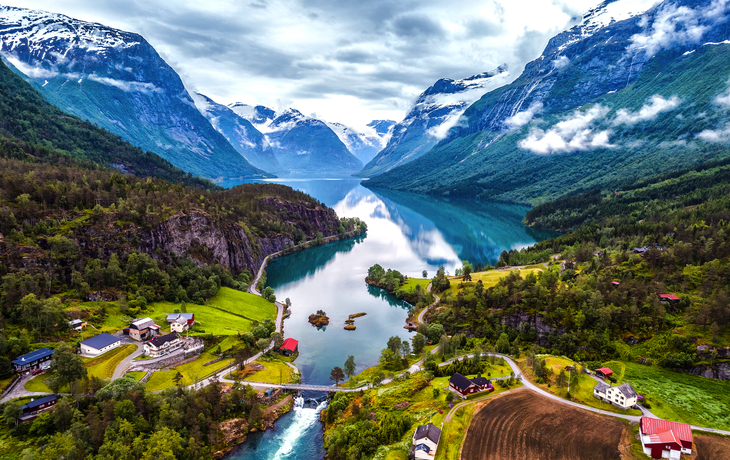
<point>302,145</point>
<point>363,144</point>
<point>118,81</point>
<point>603,102</point>
<point>33,130</point>
<point>239,132</point>
<point>436,110</point>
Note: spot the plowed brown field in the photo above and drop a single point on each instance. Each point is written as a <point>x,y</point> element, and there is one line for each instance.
<point>712,447</point>
<point>525,425</point>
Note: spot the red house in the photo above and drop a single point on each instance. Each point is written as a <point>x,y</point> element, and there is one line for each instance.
<point>604,372</point>
<point>463,386</point>
<point>289,347</point>
<point>664,439</point>
<point>671,298</point>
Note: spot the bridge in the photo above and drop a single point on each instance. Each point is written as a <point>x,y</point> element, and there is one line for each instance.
<point>295,386</point>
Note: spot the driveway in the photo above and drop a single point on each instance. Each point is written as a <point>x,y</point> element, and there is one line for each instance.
<point>127,362</point>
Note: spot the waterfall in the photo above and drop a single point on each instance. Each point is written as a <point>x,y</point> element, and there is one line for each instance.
<point>304,419</point>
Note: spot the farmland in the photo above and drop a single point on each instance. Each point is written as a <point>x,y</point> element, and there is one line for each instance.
<point>525,425</point>
<point>711,447</point>
<point>490,278</point>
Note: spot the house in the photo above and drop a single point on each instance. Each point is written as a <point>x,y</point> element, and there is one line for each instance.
<point>425,442</point>
<point>36,406</point>
<point>33,360</point>
<point>604,372</point>
<point>180,322</point>
<point>623,396</point>
<point>664,439</point>
<point>671,298</point>
<point>76,324</point>
<point>463,386</point>
<point>289,347</point>
<point>163,345</point>
<point>143,329</point>
<point>99,344</point>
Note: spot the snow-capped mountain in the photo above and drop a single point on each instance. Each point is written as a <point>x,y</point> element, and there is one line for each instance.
<point>240,133</point>
<point>364,143</point>
<point>637,87</point>
<point>436,110</point>
<point>118,81</point>
<point>302,145</point>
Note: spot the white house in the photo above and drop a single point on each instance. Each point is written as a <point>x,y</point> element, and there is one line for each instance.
<point>165,344</point>
<point>425,442</point>
<point>99,344</point>
<point>179,324</point>
<point>623,396</point>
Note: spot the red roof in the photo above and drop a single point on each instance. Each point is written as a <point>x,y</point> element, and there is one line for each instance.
<point>289,344</point>
<point>668,296</point>
<point>657,426</point>
<point>615,283</point>
<point>664,437</point>
<point>605,371</point>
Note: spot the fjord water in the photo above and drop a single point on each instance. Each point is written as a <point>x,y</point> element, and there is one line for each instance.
<point>406,232</point>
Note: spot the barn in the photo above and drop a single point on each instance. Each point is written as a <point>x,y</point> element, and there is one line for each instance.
<point>604,372</point>
<point>99,344</point>
<point>664,439</point>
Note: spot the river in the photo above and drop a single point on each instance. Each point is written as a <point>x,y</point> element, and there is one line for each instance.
<point>406,232</point>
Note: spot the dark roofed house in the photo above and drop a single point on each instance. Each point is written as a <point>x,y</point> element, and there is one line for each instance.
<point>36,406</point>
<point>289,347</point>
<point>425,442</point>
<point>99,344</point>
<point>463,386</point>
<point>32,360</point>
<point>163,345</point>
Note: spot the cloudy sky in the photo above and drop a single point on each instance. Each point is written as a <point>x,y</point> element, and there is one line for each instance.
<point>349,61</point>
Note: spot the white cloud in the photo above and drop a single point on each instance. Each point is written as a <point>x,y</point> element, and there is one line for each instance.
<point>561,62</point>
<point>719,135</point>
<point>573,133</point>
<point>124,85</point>
<point>676,25</point>
<point>520,119</point>
<point>657,104</point>
<point>724,98</point>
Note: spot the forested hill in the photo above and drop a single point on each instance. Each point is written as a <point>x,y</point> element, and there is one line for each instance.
<point>34,130</point>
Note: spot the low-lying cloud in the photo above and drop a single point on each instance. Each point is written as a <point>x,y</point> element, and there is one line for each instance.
<point>657,104</point>
<point>520,119</point>
<point>716,135</point>
<point>576,132</point>
<point>676,25</point>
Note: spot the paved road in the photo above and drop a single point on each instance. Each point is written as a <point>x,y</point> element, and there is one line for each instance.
<point>19,390</point>
<point>423,312</point>
<point>127,362</point>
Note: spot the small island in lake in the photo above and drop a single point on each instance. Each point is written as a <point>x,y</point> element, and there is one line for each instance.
<point>319,319</point>
<point>357,315</point>
<point>350,327</point>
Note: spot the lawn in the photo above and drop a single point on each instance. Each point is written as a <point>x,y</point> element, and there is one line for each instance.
<point>411,284</point>
<point>491,278</point>
<point>104,365</point>
<point>251,306</point>
<point>452,435</point>
<point>681,397</point>
<point>274,372</point>
<point>4,383</point>
<point>37,384</point>
<point>137,375</point>
<point>191,372</point>
<point>583,392</point>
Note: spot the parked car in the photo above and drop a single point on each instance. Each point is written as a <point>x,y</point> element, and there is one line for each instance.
<point>37,371</point>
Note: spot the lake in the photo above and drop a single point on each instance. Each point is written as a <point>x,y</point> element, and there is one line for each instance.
<point>406,232</point>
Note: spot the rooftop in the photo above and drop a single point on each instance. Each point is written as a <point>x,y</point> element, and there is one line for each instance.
<point>627,390</point>
<point>601,387</point>
<point>289,344</point>
<point>100,341</point>
<point>173,316</point>
<point>143,323</point>
<point>160,341</point>
<point>33,356</point>
<point>650,425</point>
<point>460,382</point>
<point>428,431</point>
<point>38,402</point>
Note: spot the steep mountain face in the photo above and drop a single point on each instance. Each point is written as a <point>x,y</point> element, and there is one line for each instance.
<point>363,144</point>
<point>436,111</point>
<point>625,92</point>
<point>118,81</point>
<point>239,132</point>
<point>302,145</point>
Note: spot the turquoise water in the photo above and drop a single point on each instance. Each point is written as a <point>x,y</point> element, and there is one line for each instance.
<point>406,232</point>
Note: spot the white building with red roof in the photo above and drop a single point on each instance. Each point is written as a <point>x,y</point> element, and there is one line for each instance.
<point>664,439</point>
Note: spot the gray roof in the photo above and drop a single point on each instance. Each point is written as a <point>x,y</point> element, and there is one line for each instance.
<point>627,390</point>
<point>143,323</point>
<point>428,431</point>
<point>75,321</point>
<point>601,387</point>
<point>173,316</point>
<point>100,341</point>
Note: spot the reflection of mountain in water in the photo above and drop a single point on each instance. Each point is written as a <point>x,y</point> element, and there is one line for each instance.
<point>329,192</point>
<point>306,263</point>
<point>479,232</point>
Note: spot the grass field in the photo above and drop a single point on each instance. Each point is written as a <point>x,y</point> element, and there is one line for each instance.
<point>242,303</point>
<point>681,397</point>
<point>274,372</point>
<point>137,375</point>
<point>411,284</point>
<point>452,435</point>
<point>4,383</point>
<point>191,372</point>
<point>37,384</point>
<point>104,365</point>
<point>491,278</point>
<point>583,392</point>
